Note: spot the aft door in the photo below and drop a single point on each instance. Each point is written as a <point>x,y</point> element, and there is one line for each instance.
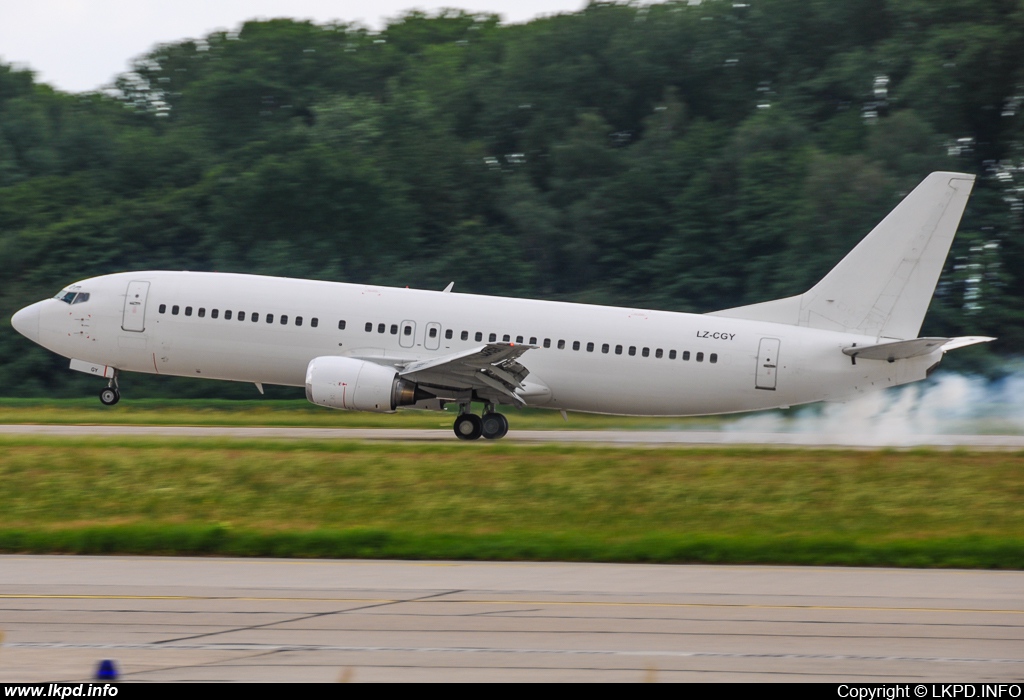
<point>767,363</point>
<point>135,307</point>
<point>432,339</point>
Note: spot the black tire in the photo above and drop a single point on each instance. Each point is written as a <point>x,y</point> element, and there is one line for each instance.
<point>110,396</point>
<point>468,427</point>
<point>494,426</point>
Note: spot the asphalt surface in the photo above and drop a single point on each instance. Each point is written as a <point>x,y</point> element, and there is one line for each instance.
<point>207,619</point>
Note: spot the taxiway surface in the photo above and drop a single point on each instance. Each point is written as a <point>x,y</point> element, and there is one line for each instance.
<point>169,619</point>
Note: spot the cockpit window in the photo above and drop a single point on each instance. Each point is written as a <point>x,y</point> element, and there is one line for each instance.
<point>71,296</point>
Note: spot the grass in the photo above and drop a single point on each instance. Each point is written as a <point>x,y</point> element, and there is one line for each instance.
<point>503,501</point>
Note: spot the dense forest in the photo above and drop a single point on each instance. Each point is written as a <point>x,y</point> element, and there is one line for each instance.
<point>687,156</point>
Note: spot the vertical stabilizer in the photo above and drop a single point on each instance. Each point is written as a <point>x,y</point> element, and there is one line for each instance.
<point>884,285</point>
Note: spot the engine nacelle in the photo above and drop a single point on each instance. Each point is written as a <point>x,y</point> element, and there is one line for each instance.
<point>344,382</point>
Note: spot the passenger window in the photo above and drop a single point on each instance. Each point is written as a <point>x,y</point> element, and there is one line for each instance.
<point>479,336</point>
<point>298,320</point>
<point>270,318</point>
<point>713,358</point>
<point>547,342</point>
<point>561,345</point>
<point>381,327</point>
<point>448,334</point>
<point>646,352</point>
<point>369,327</point>
<point>202,312</point>
<point>700,357</point>
<point>341,324</point>
<point>605,348</point>
<point>492,337</point>
<point>284,320</point>
<point>671,354</point>
<point>590,347</point>
<point>174,310</point>
<point>188,310</point>
<point>632,350</point>
<point>163,308</point>
<point>506,338</point>
<point>618,349</point>
<point>533,340</point>
<point>241,315</point>
<point>686,355</point>
<point>255,316</point>
<point>519,339</point>
<point>433,332</point>
<point>394,329</point>
<point>575,345</point>
<point>465,335</point>
<point>314,322</point>
<point>227,315</point>
<point>407,330</point>
<point>214,313</point>
<point>658,353</point>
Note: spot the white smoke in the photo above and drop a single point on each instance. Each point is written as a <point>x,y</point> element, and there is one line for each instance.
<point>945,404</point>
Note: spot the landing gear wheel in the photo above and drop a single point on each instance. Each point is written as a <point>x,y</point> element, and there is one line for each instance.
<point>494,426</point>
<point>110,396</point>
<point>468,426</point>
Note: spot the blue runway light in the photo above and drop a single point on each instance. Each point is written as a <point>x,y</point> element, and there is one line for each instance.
<point>106,671</point>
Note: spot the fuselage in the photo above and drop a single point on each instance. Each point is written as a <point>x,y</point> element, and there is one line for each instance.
<point>599,359</point>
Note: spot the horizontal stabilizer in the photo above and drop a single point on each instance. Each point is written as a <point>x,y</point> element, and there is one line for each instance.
<point>905,349</point>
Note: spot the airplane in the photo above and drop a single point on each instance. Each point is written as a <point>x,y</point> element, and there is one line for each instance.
<point>375,348</point>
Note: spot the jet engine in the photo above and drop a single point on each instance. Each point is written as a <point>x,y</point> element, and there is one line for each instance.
<point>344,382</point>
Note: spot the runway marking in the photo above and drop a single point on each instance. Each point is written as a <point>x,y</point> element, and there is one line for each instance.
<point>568,603</point>
<point>493,650</point>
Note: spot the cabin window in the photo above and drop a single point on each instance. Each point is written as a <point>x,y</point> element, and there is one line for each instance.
<point>202,312</point>
<point>407,330</point>
<point>618,349</point>
<point>632,350</point>
<point>561,345</point>
<point>227,314</point>
<point>505,338</point>
<point>519,339</point>
<point>533,340</point>
<point>314,322</point>
<point>590,347</point>
<point>671,354</point>
<point>686,355</point>
<point>646,352</point>
<point>270,318</point>
<point>433,332</point>
<point>479,336</point>
<point>214,313</point>
<point>298,320</point>
<point>188,310</point>
<point>575,345</point>
<point>394,329</point>
<point>464,335</point>
<point>369,327</point>
<point>241,315</point>
<point>547,342</point>
<point>174,310</point>
<point>381,327</point>
<point>341,324</point>
<point>605,348</point>
<point>163,308</point>
<point>448,334</point>
<point>284,320</point>
<point>658,353</point>
<point>700,357</point>
<point>713,358</point>
<point>255,316</point>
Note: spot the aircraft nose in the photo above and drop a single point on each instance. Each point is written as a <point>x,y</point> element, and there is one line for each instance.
<point>26,322</point>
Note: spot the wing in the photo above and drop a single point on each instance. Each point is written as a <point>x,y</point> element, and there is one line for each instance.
<point>491,372</point>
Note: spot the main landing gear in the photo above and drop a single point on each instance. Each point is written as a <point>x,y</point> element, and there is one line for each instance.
<point>469,426</point>
<point>111,394</point>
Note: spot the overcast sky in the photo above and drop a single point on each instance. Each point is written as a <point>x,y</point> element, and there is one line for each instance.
<point>80,45</point>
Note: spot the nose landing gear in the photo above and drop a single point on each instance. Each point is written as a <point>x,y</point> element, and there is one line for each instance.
<point>111,394</point>
<point>492,426</point>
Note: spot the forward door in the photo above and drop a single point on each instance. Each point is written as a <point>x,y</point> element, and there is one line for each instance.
<point>135,307</point>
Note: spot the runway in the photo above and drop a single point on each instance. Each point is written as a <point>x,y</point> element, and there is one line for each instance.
<point>624,438</point>
<point>165,619</point>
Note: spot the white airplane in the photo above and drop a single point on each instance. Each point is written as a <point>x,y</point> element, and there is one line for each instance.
<point>369,348</point>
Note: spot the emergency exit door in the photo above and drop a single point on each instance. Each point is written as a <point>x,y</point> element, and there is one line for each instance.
<point>767,363</point>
